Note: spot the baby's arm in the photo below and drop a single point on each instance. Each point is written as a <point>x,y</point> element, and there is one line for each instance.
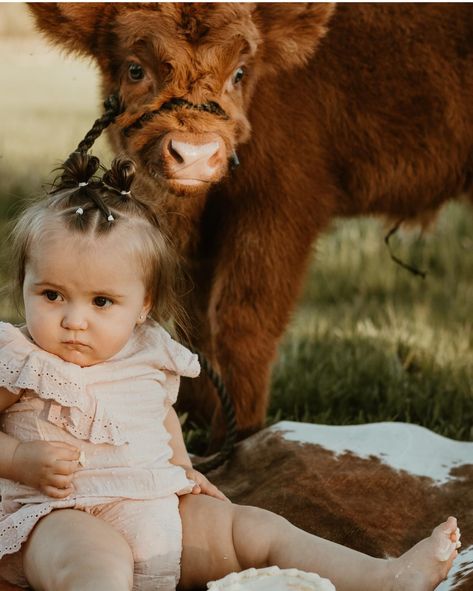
<point>8,444</point>
<point>181,458</point>
<point>45,465</point>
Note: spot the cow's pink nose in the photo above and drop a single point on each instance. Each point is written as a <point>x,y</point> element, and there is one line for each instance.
<point>186,154</point>
<point>191,159</point>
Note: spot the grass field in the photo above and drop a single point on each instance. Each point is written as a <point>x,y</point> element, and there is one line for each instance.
<point>368,341</point>
<point>372,342</point>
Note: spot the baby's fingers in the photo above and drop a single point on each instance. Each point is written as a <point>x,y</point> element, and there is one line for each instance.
<point>57,493</point>
<point>218,494</point>
<point>203,485</point>
<point>65,451</point>
<point>196,490</point>
<point>211,490</point>
<point>66,467</point>
<point>60,481</point>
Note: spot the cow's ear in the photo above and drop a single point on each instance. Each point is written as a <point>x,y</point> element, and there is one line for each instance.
<point>291,32</point>
<point>75,25</point>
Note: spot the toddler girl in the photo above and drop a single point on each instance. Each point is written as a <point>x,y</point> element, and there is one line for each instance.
<point>98,491</point>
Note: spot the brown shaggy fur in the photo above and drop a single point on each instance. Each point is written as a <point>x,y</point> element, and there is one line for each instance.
<point>346,110</point>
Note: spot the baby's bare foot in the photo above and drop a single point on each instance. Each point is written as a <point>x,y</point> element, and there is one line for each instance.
<point>427,563</point>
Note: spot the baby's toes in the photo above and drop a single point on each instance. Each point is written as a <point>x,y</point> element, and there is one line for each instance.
<point>455,537</point>
<point>446,539</point>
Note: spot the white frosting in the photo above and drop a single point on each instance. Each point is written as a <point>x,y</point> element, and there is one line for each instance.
<point>271,579</point>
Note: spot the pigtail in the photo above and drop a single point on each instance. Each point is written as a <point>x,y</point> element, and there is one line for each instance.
<point>78,170</point>
<point>79,190</point>
<point>120,179</point>
<point>78,219</point>
<point>94,196</point>
<point>121,176</point>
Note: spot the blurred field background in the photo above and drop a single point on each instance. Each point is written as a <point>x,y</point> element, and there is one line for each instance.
<point>368,342</point>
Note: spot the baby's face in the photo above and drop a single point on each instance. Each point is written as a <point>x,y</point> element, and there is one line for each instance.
<point>83,297</point>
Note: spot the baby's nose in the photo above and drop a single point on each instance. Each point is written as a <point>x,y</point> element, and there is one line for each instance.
<point>74,320</point>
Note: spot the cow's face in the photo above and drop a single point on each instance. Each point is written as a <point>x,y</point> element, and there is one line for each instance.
<point>190,71</point>
<point>185,74</point>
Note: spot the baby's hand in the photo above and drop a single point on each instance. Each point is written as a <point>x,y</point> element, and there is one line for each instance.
<point>202,485</point>
<point>48,466</point>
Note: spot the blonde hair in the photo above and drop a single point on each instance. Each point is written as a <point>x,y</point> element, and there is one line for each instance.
<point>91,206</point>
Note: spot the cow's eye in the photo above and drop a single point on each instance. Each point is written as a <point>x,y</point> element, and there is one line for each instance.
<point>135,72</point>
<point>167,68</point>
<point>238,75</point>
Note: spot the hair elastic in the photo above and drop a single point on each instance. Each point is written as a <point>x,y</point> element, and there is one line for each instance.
<point>125,192</point>
<point>82,184</point>
<point>79,211</point>
<point>110,218</point>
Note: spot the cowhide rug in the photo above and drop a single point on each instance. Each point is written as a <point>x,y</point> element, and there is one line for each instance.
<point>377,488</point>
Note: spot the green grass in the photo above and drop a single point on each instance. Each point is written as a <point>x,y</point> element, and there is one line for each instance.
<point>371,342</point>
<point>368,340</point>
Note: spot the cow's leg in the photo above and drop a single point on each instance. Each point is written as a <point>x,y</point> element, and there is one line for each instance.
<point>263,258</point>
<point>197,396</point>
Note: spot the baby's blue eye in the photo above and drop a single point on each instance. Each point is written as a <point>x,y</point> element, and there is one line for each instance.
<point>51,295</point>
<point>102,302</point>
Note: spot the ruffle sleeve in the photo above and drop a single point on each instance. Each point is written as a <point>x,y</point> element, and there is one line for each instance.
<point>171,358</point>
<point>175,357</point>
<point>69,403</point>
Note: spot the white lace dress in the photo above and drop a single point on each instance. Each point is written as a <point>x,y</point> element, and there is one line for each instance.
<point>114,412</point>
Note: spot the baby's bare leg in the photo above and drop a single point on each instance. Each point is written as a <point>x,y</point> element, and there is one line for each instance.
<point>70,550</point>
<point>219,538</point>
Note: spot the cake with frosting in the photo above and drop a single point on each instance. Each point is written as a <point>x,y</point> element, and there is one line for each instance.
<point>271,579</point>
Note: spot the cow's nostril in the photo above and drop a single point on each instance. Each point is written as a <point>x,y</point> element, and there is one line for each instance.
<point>188,158</point>
<point>175,154</point>
<point>187,153</point>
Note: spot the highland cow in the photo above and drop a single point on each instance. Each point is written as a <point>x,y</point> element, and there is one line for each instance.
<point>332,111</point>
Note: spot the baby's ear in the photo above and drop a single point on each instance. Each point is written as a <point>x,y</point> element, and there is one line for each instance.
<point>76,26</point>
<point>145,310</point>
